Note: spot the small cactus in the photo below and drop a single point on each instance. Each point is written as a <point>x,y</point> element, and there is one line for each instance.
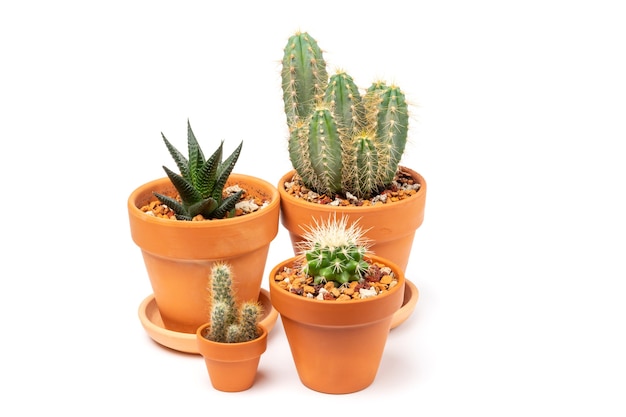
<point>230,323</point>
<point>339,141</point>
<point>201,181</point>
<point>335,251</point>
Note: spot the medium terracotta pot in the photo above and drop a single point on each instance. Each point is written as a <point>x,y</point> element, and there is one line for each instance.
<point>179,254</point>
<point>232,367</point>
<point>337,346</point>
<point>391,226</point>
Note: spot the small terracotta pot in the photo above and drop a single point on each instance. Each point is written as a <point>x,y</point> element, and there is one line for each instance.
<point>232,367</point>
<point>179,254</point>
<point>337,346</point>
<point>391,226</point>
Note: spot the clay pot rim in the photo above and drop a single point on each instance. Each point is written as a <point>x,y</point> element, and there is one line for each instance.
<point>273,205</point>
<point>284,196</point>
<point>264,333</point>
<point>341,304</point>
<point>231,352</point>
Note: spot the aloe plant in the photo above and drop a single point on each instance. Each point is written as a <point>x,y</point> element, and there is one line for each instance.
<point>200,183</point>
<point>230,323</point>
<point>334,251</point>
<point>340,141</point>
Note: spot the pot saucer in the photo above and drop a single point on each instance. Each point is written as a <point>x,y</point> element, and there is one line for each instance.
<point>152,322</point>
<point>411,294</point>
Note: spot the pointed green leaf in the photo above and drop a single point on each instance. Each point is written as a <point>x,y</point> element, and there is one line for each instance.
<point>204,207</point>
<point>188,194</point>
<point>227,205</point>
<point>196,157</point>
<point>179,158</point>
<point>224,171</point>
<point>201,182</point>
<point>170,202</point>
<point>206,182</point>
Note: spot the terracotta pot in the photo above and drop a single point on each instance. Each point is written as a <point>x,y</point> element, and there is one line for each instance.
<point>179,254</point>
<point>392,226</point>
<point>337,346</point>
<point>232,367</point>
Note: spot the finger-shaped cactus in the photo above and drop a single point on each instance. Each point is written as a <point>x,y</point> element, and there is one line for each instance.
<point>365,164</point>
<point>304,77</point>
<point>324,142</point>
<point>230,322</point>
<point>339,141</point>
<point>249,316</point>
<point>220,311</point>
<point>343,97</point>
<point>388,110</point>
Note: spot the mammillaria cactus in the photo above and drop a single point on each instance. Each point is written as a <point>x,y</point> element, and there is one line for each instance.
<point>334,251</point>
<point>339,141</point>
<point>201,181</point>
<point>335,263</point>
<point>230,323</point>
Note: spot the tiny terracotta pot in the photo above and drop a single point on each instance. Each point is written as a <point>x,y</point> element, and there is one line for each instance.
<point>232,367</point>
<point>337,346</point>
<point>391,226</point>
<point>178,255</point>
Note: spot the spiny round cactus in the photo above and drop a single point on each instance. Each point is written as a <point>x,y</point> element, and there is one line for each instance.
<point>339,141</point>
<point>230,323</point>
<point>334,251</point>
<point>201,181</point>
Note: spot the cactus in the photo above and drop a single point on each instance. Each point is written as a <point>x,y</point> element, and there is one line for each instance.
<point>230,323</point>
<point>304,77</point>
<point>201,181</point>
<point>334,251</point>
<point>339,141</point>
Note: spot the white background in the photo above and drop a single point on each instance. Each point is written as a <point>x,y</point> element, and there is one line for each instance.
<point>518,127</point>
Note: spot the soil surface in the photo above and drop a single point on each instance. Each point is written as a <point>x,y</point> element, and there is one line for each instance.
<point>247,204</point>
<point>378,279</point>
<point>403,186</point>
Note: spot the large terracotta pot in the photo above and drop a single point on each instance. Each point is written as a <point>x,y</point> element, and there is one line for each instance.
<point>179,254</point>
<point>336,346</point>
<point>232,367</point>
<point>391,226</point>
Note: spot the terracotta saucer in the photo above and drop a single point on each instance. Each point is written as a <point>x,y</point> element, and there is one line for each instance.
<point>411,294</point>
<point>186,342</point>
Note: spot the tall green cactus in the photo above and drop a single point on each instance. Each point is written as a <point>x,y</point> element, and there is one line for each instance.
<point>304,77</point>
<point>230,323</point>
<point>339,141</point>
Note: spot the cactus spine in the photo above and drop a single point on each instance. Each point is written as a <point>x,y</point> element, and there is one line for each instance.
<point>230,323</point>
<point>334,251</point>
<point>339,141</point>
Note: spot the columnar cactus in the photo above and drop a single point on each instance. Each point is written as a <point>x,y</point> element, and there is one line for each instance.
<point>339,141</point>
<point>230,323</point>
<point>334,251</point>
